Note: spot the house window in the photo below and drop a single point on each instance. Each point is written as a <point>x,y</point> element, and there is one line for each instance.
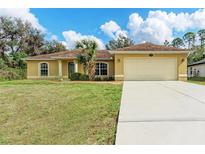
<point>44,69</point>
<point>101,69</point>
<point>191,72</point>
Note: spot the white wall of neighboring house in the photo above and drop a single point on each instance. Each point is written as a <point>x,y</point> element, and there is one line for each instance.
<point>196,70</point>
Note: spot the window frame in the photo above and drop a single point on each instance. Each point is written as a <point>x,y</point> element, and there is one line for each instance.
<point>39,70</point>
<point>100,68</point>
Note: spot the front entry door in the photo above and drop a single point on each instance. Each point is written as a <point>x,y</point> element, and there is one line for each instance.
<point>71,68</point>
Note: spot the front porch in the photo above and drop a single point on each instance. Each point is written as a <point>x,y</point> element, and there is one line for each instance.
<point>66,68</point>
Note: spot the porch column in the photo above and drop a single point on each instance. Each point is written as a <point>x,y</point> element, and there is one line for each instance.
<point>76,66</point>
<point>60,74</point>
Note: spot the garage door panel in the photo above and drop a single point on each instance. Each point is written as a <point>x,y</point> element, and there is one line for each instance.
<point>150,68</point>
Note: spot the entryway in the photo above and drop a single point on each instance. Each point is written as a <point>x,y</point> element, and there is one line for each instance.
<point>71,68</point>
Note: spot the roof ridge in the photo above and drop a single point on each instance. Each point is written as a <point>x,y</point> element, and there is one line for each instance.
<point>148,46</point>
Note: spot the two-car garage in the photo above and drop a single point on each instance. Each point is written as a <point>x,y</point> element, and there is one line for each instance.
<point>150,68</point>
<point>150,62</point>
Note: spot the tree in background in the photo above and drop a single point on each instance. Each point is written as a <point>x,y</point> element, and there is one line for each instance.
<point>20,39</point>
<point>53,46</point>
<point>34,42</point>
<point>121,42</point>
<point>166,43</point>
<point>87,56</point>
<point>201,34</point>
<point>197,55</point>
<point>190,39</point>
<point>17,36</point>
<point>177,42</point>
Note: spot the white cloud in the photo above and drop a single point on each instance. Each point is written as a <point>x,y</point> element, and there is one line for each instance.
<point>24,14</point>
<point>112,29</point>
<point>151,30</point>
<point>135,22</point>
<point>71,37</point>
<point>54,38</point>
<point>160,25</point>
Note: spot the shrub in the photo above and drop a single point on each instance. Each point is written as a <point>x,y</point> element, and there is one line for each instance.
<point>12,74</point>
<point>111,78</point>
<point>98,79</point>
<point>75,76</point>
<point>84,77</point>
<point>105,79</point>
<point>2,64</point>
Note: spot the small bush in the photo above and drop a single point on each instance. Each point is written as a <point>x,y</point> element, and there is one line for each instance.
<point>106,79</point>
<point>84,77</point>
<point>98,79</point>
<point>12,74</point>
<point>111,78</point>
<point>75,76</point>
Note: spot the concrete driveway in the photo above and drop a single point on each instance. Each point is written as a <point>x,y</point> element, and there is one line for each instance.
<point>161,112</point>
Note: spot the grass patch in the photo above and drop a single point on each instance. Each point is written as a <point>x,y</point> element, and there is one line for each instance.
<point>50,112</point>
<point>197,80</point>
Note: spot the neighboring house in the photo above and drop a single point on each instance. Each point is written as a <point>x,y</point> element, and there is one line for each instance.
<point>139,62</point>
<point>197,69</point>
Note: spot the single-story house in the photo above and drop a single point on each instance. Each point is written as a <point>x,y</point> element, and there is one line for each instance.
<point>145,61</point>
<point>197,69</point>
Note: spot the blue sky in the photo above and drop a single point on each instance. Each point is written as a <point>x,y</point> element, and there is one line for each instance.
<point>153,25</point>
<point>88,21</point>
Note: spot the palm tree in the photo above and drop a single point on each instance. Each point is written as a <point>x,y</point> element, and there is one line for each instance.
<point>177,42</point>
<point>190,39</point>
<point>87,56</point>
<point>201,34</point>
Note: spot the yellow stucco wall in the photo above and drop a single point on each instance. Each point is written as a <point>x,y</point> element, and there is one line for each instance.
<point>181,64</point>
<point>33,68</point>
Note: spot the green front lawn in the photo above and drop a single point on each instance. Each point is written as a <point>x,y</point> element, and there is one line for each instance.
<point>49,112</point>
<point>197,80</point>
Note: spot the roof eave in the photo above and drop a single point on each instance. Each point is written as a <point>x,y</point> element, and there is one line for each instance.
<point>201,63</point>
<point>64,58</point>
<point>104,58</point>
<point>29,59</point>
<point>149,52</point>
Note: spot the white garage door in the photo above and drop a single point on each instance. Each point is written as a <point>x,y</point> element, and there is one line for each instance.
<point>150,68</point>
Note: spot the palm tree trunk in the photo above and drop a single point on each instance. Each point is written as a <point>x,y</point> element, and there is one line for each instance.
<point>91,70</point>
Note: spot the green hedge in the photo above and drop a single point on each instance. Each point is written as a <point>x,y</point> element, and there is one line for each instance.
<point>104,78</point>
<point>84,77</point>
<point>196,78</point>
<point>79,77</point>
<point>75,76</point>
